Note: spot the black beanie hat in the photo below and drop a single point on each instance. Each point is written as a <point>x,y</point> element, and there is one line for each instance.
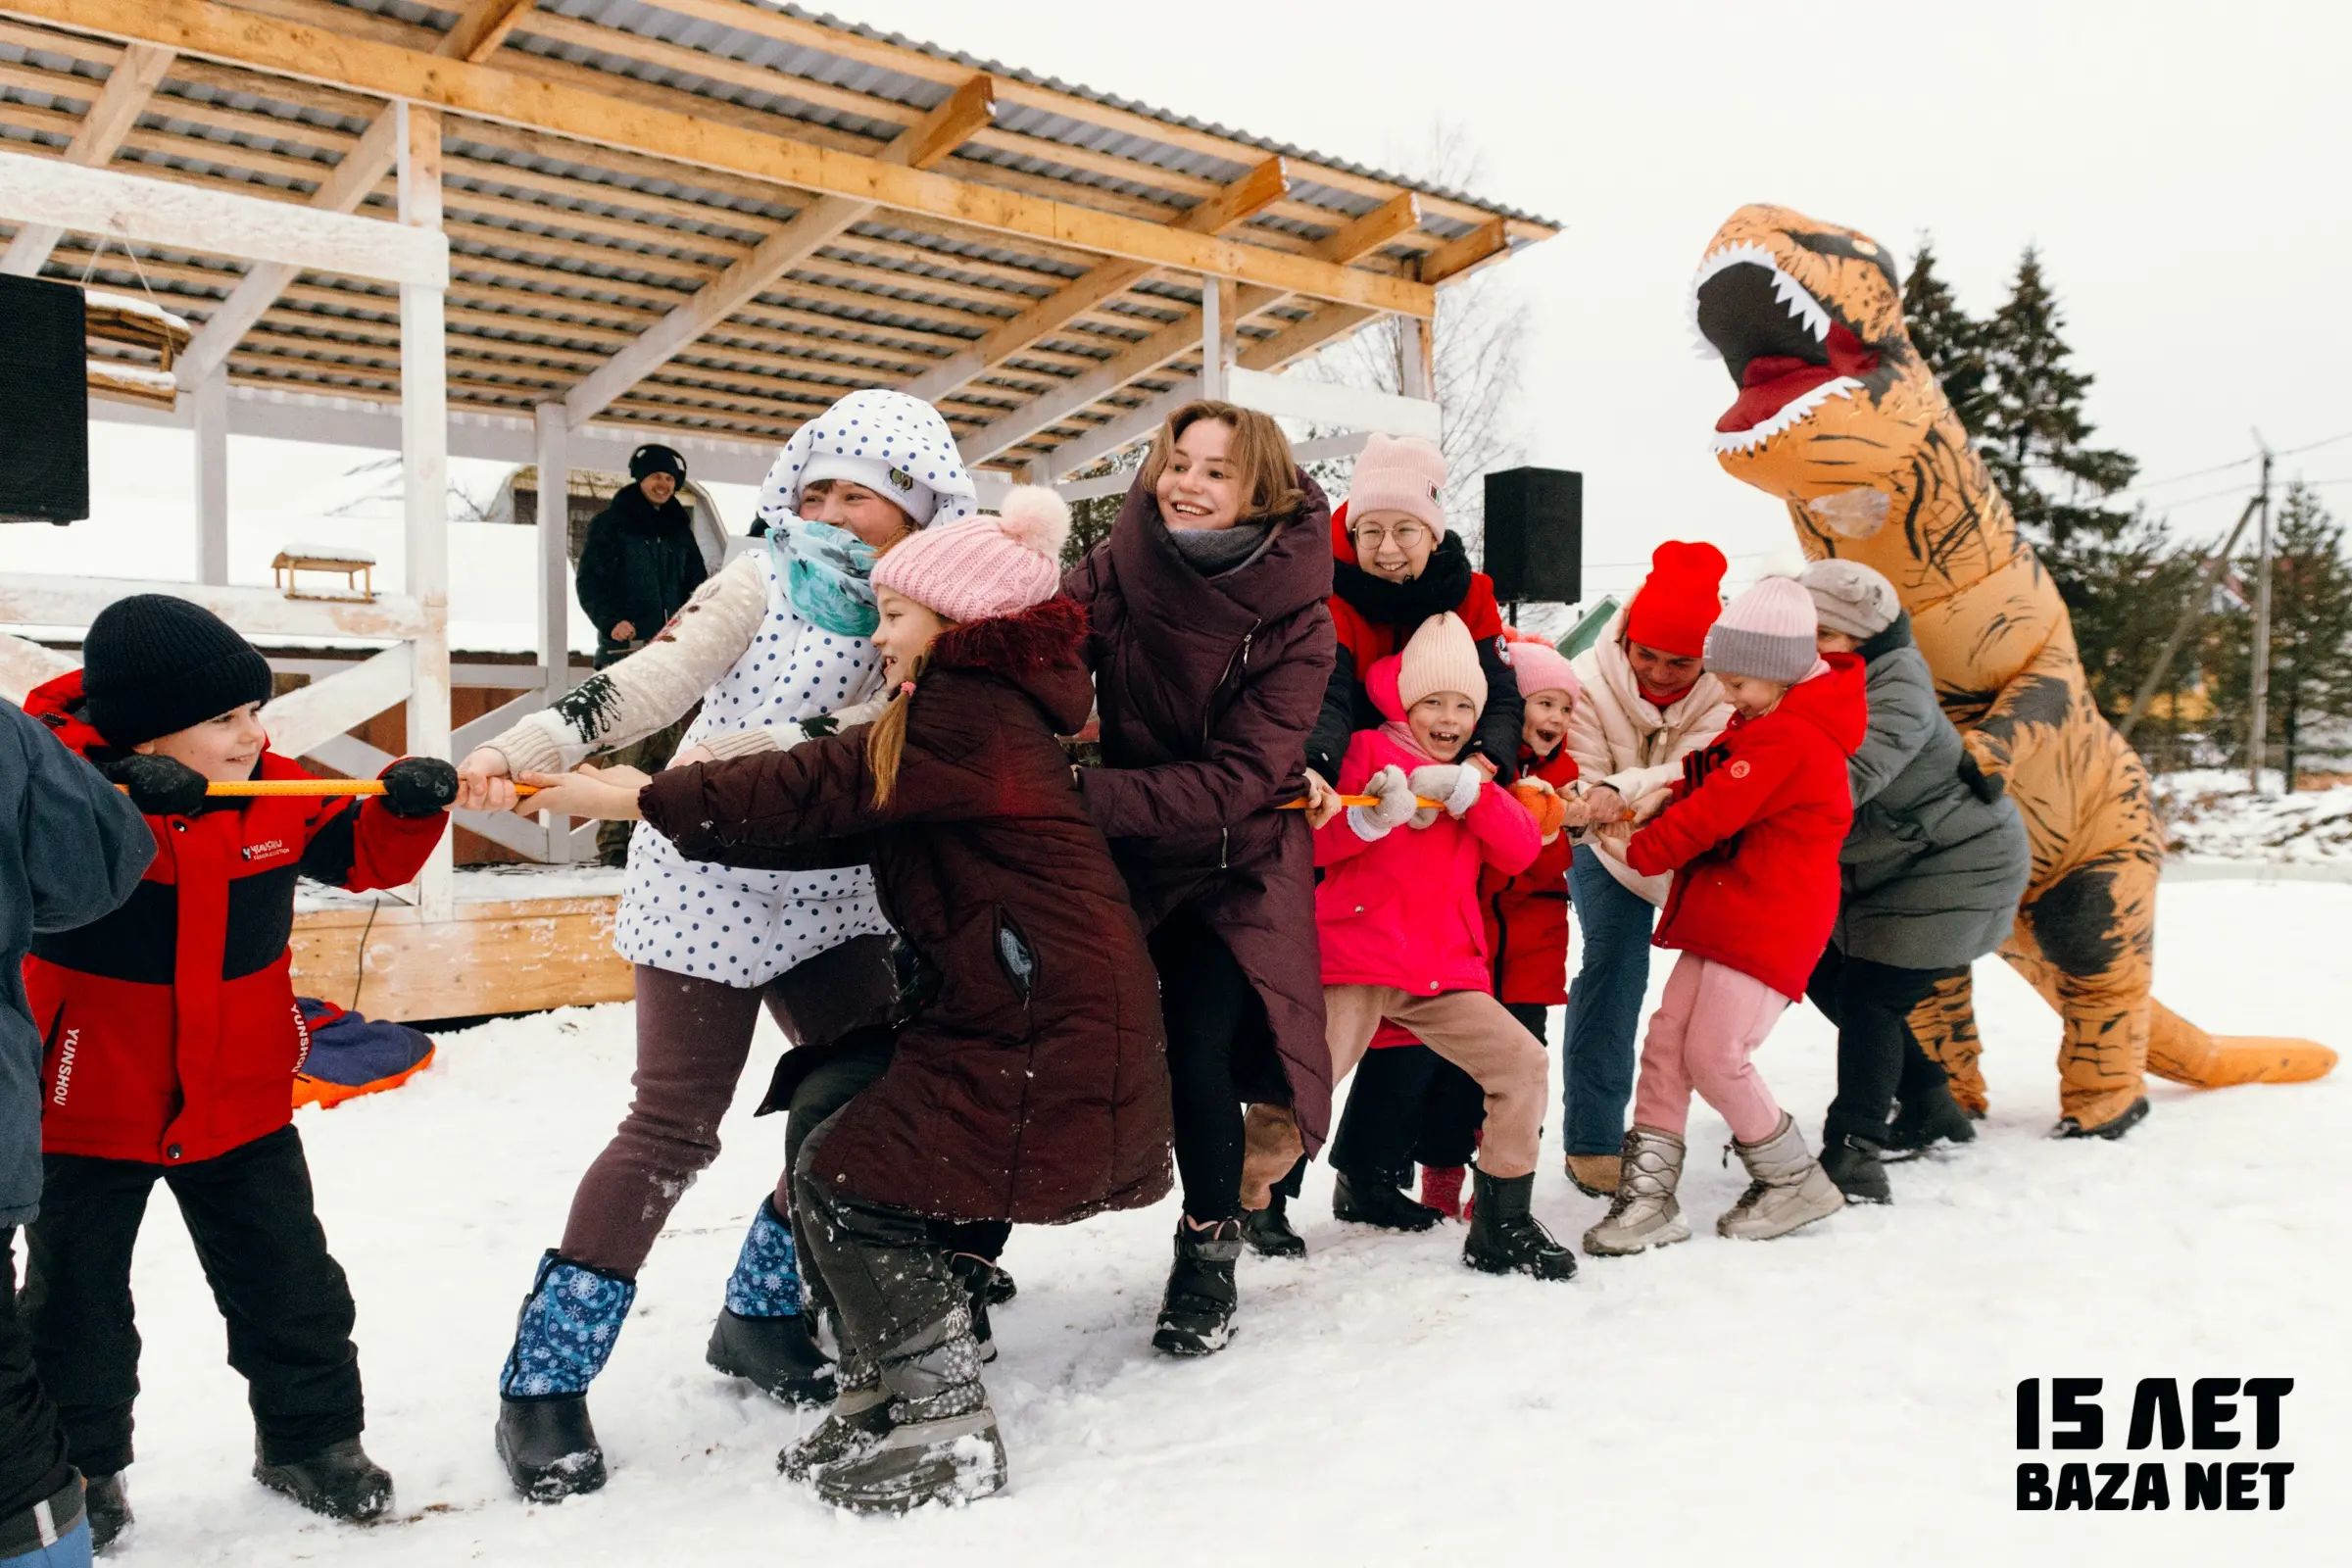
<point>654,457</point>
<point>152,664</point>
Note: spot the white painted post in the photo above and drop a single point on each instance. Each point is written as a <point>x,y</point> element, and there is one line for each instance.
<point>1415,370</point>
<point>1217,315</point>
<point>210,399</point>
<point>424,475</point>
<point>552,425</point>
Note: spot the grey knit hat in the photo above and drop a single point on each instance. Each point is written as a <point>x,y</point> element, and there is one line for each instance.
<point>1765,634</point>
<point>1850,598</point>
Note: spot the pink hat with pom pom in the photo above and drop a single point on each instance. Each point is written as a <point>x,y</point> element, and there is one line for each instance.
<point>987,566</point>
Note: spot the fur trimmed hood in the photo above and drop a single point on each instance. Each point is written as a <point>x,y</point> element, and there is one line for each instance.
<point>1041,649</point>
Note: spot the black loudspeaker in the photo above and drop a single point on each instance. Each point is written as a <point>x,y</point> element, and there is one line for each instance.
<point>44,402</point>
<point>1535,535</point>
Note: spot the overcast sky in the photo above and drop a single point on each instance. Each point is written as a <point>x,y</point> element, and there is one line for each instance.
<point>2183,167</point>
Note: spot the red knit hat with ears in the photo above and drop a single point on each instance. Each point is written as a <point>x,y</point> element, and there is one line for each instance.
<point>1680,598</point>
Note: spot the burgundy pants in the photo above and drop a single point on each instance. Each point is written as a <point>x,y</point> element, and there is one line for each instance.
<point>693,1037</point>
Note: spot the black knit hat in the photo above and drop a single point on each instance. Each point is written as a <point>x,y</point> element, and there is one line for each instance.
<point>655,457</point>
<point>152,664</point>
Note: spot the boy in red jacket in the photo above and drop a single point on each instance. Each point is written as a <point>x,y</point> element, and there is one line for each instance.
<point>1752,834</point>
<point>1398,917</point>
<point>170,1043</point>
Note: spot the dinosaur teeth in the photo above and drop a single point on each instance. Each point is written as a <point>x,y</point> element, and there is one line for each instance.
<point>1794,295</point>
<point>1796,408</point>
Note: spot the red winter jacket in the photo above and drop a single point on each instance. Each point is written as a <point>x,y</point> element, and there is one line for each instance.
<point>1527,915</point>
<point>1754,840</point>
<point>170,1032</point>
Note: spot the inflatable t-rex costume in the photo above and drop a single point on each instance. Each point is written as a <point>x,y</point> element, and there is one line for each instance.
<point>1837,415</point>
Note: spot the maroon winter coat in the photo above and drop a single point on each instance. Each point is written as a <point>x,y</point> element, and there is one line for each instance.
<point>1207,687</point>
<point>1030,1082</point>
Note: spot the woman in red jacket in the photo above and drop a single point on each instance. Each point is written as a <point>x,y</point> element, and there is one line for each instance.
<point>1752,835</point>
<point>172,1040</point>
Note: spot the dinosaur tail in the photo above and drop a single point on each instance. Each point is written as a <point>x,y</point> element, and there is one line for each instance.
<point>2186,1055</point>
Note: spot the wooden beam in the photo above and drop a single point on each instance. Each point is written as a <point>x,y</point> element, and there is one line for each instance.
<point>1236,204</point>
<point>1301,338</point>
<point>482,27</point>
<point>1141,359</point>
<point>1399,215</point>
<point>927,141</point>
<point>1124,430</point>
<point>1455,256</point>
<point>315,54</point>
<point>110,117</point>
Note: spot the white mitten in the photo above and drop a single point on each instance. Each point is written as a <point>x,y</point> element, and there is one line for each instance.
<point>1391,807</point>
<point>1455,785</point>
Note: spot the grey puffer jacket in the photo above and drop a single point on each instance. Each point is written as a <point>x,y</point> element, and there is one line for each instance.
<point>1937,859</point>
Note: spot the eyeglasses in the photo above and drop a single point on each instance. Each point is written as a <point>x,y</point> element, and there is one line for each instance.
<point>1409,537</point>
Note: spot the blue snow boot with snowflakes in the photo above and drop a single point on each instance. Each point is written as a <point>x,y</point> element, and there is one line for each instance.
<point>766,1335</point>
<point>563,1338</point>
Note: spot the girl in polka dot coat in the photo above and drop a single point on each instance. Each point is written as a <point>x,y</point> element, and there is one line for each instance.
<point>774,649</point>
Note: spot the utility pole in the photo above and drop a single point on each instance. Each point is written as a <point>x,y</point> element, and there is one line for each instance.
<point>2259,724</point>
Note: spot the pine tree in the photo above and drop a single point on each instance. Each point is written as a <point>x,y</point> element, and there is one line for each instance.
<point>2311,636</point>
<point>1949,339</point>
<point>2034,435</point>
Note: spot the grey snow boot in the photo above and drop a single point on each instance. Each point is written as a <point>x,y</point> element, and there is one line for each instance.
<point>859,1418</point>
<point>1787,1188</point>
<point>1645,1212</point>
<point>942,1445</point>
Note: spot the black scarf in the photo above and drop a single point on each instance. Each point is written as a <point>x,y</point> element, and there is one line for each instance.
<point>643,515</point>
<point>1444,583</point>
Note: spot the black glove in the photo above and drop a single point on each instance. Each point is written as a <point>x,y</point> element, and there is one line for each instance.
<point>1699,763</point>
<point>160,786</point>
<point>1981,785</point>
<point>419,785</point>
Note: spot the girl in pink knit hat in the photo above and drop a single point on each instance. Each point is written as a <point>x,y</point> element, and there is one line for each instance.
<point>1751,835</point>
<point>1402,937</point>
<point>1026,1079</point>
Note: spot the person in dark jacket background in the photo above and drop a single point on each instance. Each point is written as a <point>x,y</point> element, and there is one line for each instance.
<point>171,1040</point>
<point>1933,870</point>
<point>1395,564</point>
<point>1213,649</point>
<point>638,567</point>
<point>71,848</point>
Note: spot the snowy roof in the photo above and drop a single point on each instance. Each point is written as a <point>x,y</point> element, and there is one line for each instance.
<point>564,252</point>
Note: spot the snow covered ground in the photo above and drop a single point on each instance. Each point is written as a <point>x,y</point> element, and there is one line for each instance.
<point>1841,1397</point>
<point>2211,814</point>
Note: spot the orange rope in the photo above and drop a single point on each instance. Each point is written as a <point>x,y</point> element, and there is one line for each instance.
<point>313,788</point>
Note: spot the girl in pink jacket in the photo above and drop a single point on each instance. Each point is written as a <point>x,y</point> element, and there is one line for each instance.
<point>1402,934</point>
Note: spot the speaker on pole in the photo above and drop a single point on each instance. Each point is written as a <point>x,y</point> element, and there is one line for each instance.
<point>1535,535</point>
<point>44,402</point>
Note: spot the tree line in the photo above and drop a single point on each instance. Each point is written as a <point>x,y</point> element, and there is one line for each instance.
<point>2124,573</point>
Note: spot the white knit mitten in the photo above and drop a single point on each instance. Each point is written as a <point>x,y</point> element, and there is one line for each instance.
<point>1392,807</point>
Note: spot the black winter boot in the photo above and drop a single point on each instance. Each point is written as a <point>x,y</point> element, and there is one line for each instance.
<point>1373,1202</point>
<point>778,1354</point>
<point>549,1447</point>
<point>979,1277</point>
<point>1929,1117</point>
<point>339,1481</point>
<point>942,1445</point>
<point>107,1506</point>
<point>1268,1230</point>
<point>1001,1285</point>
<point>1506,1239</point>
<point>1195,1316</point>
<point>2113,1128</point>
<point>1855,1165</point>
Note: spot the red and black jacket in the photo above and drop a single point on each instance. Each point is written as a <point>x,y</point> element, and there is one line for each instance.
<point>169,1027</point>
<point>1527,915</point>
<point>1373,617</point>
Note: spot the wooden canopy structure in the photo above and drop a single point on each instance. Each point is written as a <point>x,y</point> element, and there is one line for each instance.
<point>547,230</point>
<point>714,217</point>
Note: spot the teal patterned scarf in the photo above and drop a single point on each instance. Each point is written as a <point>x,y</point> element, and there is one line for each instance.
<point>828,574</point>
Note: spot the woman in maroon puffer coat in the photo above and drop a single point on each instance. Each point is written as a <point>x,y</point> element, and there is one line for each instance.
<point>1212,648</point>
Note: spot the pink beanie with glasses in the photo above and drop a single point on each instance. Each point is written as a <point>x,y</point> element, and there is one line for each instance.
<point>987,566</point>
<point>1398,474</point>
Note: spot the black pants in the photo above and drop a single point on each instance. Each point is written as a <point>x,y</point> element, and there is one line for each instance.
<point>1220,1055</point>
<point>1407,1105</point>
<point>33,1444</point>
<point>1879,1062</point>
<point>827,1088</point>
<point>257,1234</point>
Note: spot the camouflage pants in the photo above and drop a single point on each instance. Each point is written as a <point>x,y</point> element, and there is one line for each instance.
<point>650,754</point>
